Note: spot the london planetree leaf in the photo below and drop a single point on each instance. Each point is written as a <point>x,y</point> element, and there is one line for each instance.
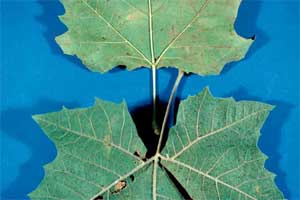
<point>194,35</point>
<point>212,150</point>
<point>97,158</point>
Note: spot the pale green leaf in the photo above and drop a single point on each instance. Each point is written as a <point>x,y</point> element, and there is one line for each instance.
<point>212,150</point>
<point>194,35</point>
<point>96,149</point>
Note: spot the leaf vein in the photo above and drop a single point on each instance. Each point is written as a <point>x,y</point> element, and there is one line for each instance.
<point>115,30</point>
<point>208,176</point>
<point>216,131</point>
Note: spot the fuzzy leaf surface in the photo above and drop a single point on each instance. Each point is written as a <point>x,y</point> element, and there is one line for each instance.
<point>194,35</point>
<point>212,150</point>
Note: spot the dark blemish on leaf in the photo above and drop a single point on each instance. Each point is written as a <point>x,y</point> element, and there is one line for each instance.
<point>128,54</point>
<point>173,31</point>
<point>100,197</point>
<point>103,38</point>
<point>137,154</point>
<point>131,178</point>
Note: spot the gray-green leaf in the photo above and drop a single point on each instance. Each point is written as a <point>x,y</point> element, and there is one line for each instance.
<point>194,35</point>
<point>96,148</point>
<point>212,149</point>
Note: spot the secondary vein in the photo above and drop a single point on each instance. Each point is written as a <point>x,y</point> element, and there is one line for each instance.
<point>182,32</point>
<point>215,132</point>
<point>115,30</point>
<point>207,176</point>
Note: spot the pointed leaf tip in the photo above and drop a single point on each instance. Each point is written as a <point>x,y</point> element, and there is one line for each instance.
<point>95,146</point>
<point>214,140</point>
<point>214,145</point>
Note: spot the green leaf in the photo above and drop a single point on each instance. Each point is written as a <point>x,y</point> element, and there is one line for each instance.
<point>212,150</point>
<point>196,36</point>
<point>96,148</point>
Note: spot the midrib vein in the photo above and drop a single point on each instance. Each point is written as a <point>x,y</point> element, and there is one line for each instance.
<point>151,32</point>
<point>153,69</point>
<point>214,132</point>
<point>123,177</point>
<point>182,32</point>
<point>207,176</point>
<point>137,168</point>
<point>115,30</point>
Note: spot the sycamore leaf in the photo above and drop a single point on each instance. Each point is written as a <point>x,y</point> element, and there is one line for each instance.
<point>212,150</point>
<point>194,35</point>
<point>96,148</point>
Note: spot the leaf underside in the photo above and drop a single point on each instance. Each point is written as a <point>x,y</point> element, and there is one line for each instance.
<point>194,35</point>
<point>212,151</point>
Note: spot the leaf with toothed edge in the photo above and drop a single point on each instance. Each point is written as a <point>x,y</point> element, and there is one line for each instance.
<point>213,154</point>
<point>195,36</point>
<point>212,150</point>
<point>96,149</point>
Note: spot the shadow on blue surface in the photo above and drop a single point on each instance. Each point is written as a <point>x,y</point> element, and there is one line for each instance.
<point>54,27</point>
<point>245,26</point>
<point>270,134</point>
<point>18,123</point>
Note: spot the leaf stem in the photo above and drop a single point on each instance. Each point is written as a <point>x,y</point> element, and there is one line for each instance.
<point>176,84</point>
<point>153,68</point>
<point>157,155</point>
<point>154,102</point>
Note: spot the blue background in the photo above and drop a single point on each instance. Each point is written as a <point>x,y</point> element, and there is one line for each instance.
<point>37,78</point>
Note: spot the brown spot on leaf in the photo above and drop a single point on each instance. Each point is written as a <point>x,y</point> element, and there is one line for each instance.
<point>134,15</point>
<point>257,189</point>
<point>106,140</point>
<point>172,32</point>
<point>120,186</point>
